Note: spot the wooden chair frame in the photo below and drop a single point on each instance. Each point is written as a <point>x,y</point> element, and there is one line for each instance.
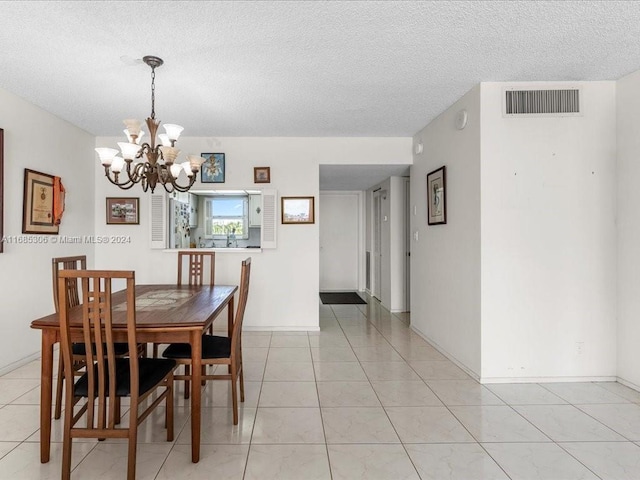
<point>78,262</point>
<point>196,272</point>
<point>234,361</point>
<point>97,329</point>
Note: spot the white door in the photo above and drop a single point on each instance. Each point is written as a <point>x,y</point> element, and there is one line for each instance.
<point>339,252</point>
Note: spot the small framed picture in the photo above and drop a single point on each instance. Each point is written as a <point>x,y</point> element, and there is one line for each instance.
<point>437,197</point>
<point>212,170</point>
<point>123,211</point>
<point>38,205</point>
<point>261,174</point>
<point>298,210</point>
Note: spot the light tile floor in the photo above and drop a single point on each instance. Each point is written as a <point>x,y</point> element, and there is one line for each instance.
<point>364,398</point>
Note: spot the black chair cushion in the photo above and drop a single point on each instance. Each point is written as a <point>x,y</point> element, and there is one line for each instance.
<point>212,347</point>
<point>79,348</point>
<point>151,371</point>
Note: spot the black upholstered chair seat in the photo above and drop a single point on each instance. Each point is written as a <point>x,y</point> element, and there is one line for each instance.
<point>119,348</point>
<point>151,371</point>
<point>212,347</point>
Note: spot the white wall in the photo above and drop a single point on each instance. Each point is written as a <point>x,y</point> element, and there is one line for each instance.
<point>285,281</point>
<point>628,223</point>
<point>445,261</point>
<point>340,252</point>
<point>549,239</point>
<point>397,267</point>
<point>39,141</point>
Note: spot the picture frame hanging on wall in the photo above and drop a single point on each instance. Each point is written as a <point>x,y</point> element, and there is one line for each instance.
<point>297,210</point>
<point>437,196</point>
<point>123,210</point>
<point>261,174</point>
<point>213,169</point>
<point>38,203</point>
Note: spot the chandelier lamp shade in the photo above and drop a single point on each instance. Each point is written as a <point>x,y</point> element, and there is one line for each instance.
<point>147,163</point>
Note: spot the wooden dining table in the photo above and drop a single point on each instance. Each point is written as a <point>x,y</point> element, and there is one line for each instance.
<point>164,314</point>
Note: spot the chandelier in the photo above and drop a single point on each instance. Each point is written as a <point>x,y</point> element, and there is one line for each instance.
<point>148,163</point>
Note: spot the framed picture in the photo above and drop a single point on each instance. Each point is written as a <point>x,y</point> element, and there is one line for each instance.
<point>261,174</point>
<point>437,196</point>
<point>123,211</point>
<point>297,210</point>
<point>1,187</point>
<point>38,204</point>
<point>212,171</point>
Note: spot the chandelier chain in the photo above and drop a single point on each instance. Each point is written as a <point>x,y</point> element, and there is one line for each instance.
<point>153,92</point>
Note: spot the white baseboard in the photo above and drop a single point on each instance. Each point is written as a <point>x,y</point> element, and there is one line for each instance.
<point>281,329</point>
<point>450,357</point>
<point>545,379</point>
<point>483,380</point>
<point>12,366</point>
<point>626,383</point>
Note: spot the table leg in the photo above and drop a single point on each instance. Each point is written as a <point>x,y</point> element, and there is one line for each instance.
<point>46,382</point>
<point>196,394</point>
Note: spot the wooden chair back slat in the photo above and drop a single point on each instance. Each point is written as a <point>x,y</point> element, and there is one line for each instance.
<point>196,267</point>
<point>97,332</point>
<point>236,340</point>
<point>78,262</point>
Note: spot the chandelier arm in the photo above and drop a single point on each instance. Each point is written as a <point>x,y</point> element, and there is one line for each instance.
<point>186,188</point>
<point>124,185</point>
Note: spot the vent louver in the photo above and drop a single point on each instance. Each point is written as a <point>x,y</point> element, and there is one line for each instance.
<point>542,102</point>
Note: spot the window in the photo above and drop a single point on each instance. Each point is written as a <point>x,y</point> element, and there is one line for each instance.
<point>226,216</point>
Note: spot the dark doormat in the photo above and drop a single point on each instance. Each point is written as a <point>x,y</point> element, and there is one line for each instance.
<point>341,298</point>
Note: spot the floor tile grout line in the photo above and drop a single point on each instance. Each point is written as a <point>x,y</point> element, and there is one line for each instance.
<point>387,413</point>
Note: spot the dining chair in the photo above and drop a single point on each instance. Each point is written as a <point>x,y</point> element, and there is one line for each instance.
<point>220,350</point>
<point>108,377</point>
<point>72,294</point>
<point>196,273</point>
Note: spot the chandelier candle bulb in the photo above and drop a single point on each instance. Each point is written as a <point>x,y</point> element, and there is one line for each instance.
<point>173,131</point>
<point>133,126</point>
<point>129,150</point>
<point>149,163</point>
<point>117,164</point>
<point>186,166</point>
<point>169,154</point>
<point>175,169</point>
<point>106,155</point>
<point>131,138</point>
<point>195,162</point>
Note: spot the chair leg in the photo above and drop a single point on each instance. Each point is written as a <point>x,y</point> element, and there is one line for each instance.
<point>204,372</point>
<point>59,385</point>
<point>241,383</point>
<point>169,410</point>
<point>133,437</point>
<point>66,445</point>
<point>155,350</point>
<point>234,395</point>
<point>187,371</point>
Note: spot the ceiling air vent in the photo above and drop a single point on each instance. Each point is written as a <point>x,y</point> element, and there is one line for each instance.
<point>542,102</point>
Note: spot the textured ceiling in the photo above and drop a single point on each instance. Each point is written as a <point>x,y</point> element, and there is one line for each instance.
<point>299,68</point>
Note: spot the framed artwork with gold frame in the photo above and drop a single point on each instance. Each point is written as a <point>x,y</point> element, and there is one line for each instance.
<point>37,206</point>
